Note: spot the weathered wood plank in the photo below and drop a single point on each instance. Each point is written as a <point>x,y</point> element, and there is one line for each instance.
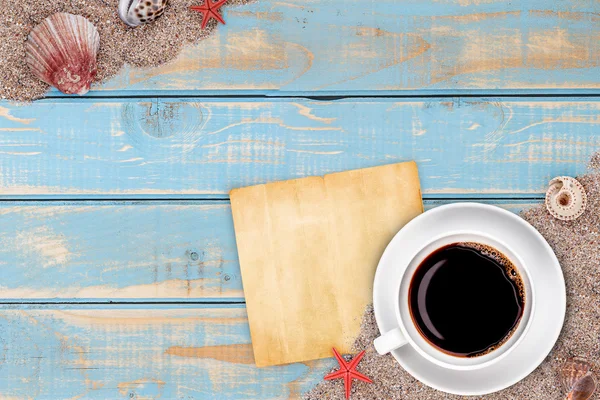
<point>176,250</point>
<point>140,353</point>
<point>201,148</point>
<point>119,250</point>
<point>352,45</point>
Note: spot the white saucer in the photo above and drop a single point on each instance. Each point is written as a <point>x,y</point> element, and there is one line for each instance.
<point>545,273</point>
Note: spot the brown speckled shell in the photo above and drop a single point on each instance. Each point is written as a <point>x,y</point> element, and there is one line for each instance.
<point>583,389</point>
<point>577,379</point>
<point>140,12</point>
<point>62,51</point>
<point>565,198</point>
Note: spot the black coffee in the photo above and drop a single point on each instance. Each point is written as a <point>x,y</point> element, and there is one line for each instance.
<point>466,299</point>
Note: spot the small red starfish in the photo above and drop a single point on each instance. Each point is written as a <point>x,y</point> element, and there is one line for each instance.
<point>348,371</point>
<point>210,10</point>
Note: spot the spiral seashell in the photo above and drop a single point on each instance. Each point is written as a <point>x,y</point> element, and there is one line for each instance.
<point>565,198</point>
<point>62,50</point>
<point>138,12</point>
<point>577,379</point>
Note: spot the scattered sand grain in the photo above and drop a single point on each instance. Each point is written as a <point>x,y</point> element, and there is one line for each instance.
<point>145,46</point>
<point>577,246</point>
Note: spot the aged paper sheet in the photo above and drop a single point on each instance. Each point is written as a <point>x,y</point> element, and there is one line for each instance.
<point>308,251</point>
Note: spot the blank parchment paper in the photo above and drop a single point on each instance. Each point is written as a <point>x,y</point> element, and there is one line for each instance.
<point>308,252</point>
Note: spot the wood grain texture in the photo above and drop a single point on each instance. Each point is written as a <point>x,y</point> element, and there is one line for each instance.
<point>89,251</point>
<point>171,148</point>
<point>119,250</point>
<point>185,251</point>
<point>140,353</point>
<point>353,45</point>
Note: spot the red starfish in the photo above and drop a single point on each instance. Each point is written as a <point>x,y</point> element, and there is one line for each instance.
<point>210,10</point>
<point>347,371</point>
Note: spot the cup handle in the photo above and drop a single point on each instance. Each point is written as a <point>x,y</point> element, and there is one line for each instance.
<point>390,341</point>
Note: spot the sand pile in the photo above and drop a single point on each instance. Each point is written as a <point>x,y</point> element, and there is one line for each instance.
<point>577,246</point>
<point>144,46</point>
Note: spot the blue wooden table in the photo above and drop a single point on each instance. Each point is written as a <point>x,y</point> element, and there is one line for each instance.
<point>119,276</point>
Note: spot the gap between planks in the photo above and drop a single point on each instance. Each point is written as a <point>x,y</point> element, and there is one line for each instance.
<point>141,199</point>
<point>167,303</point>
<point>333,95</point>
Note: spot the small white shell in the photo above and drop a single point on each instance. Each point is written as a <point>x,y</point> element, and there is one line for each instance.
<point>140,12</point>
<point>62,50</point>
<point>565,198</point>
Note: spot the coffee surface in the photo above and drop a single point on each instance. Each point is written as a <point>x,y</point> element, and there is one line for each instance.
<point>466,299</point>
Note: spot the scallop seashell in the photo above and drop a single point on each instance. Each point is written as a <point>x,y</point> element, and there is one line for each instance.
<point>139,12</point>
<point>565,198</point>
<point>577,379</point>
<point>573,370</point>
<point>61,51</point>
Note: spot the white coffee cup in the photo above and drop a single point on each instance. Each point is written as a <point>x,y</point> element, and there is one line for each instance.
<point>407,334</point>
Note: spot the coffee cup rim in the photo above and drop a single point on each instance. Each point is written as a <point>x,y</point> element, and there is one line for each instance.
<point>521,329</point>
